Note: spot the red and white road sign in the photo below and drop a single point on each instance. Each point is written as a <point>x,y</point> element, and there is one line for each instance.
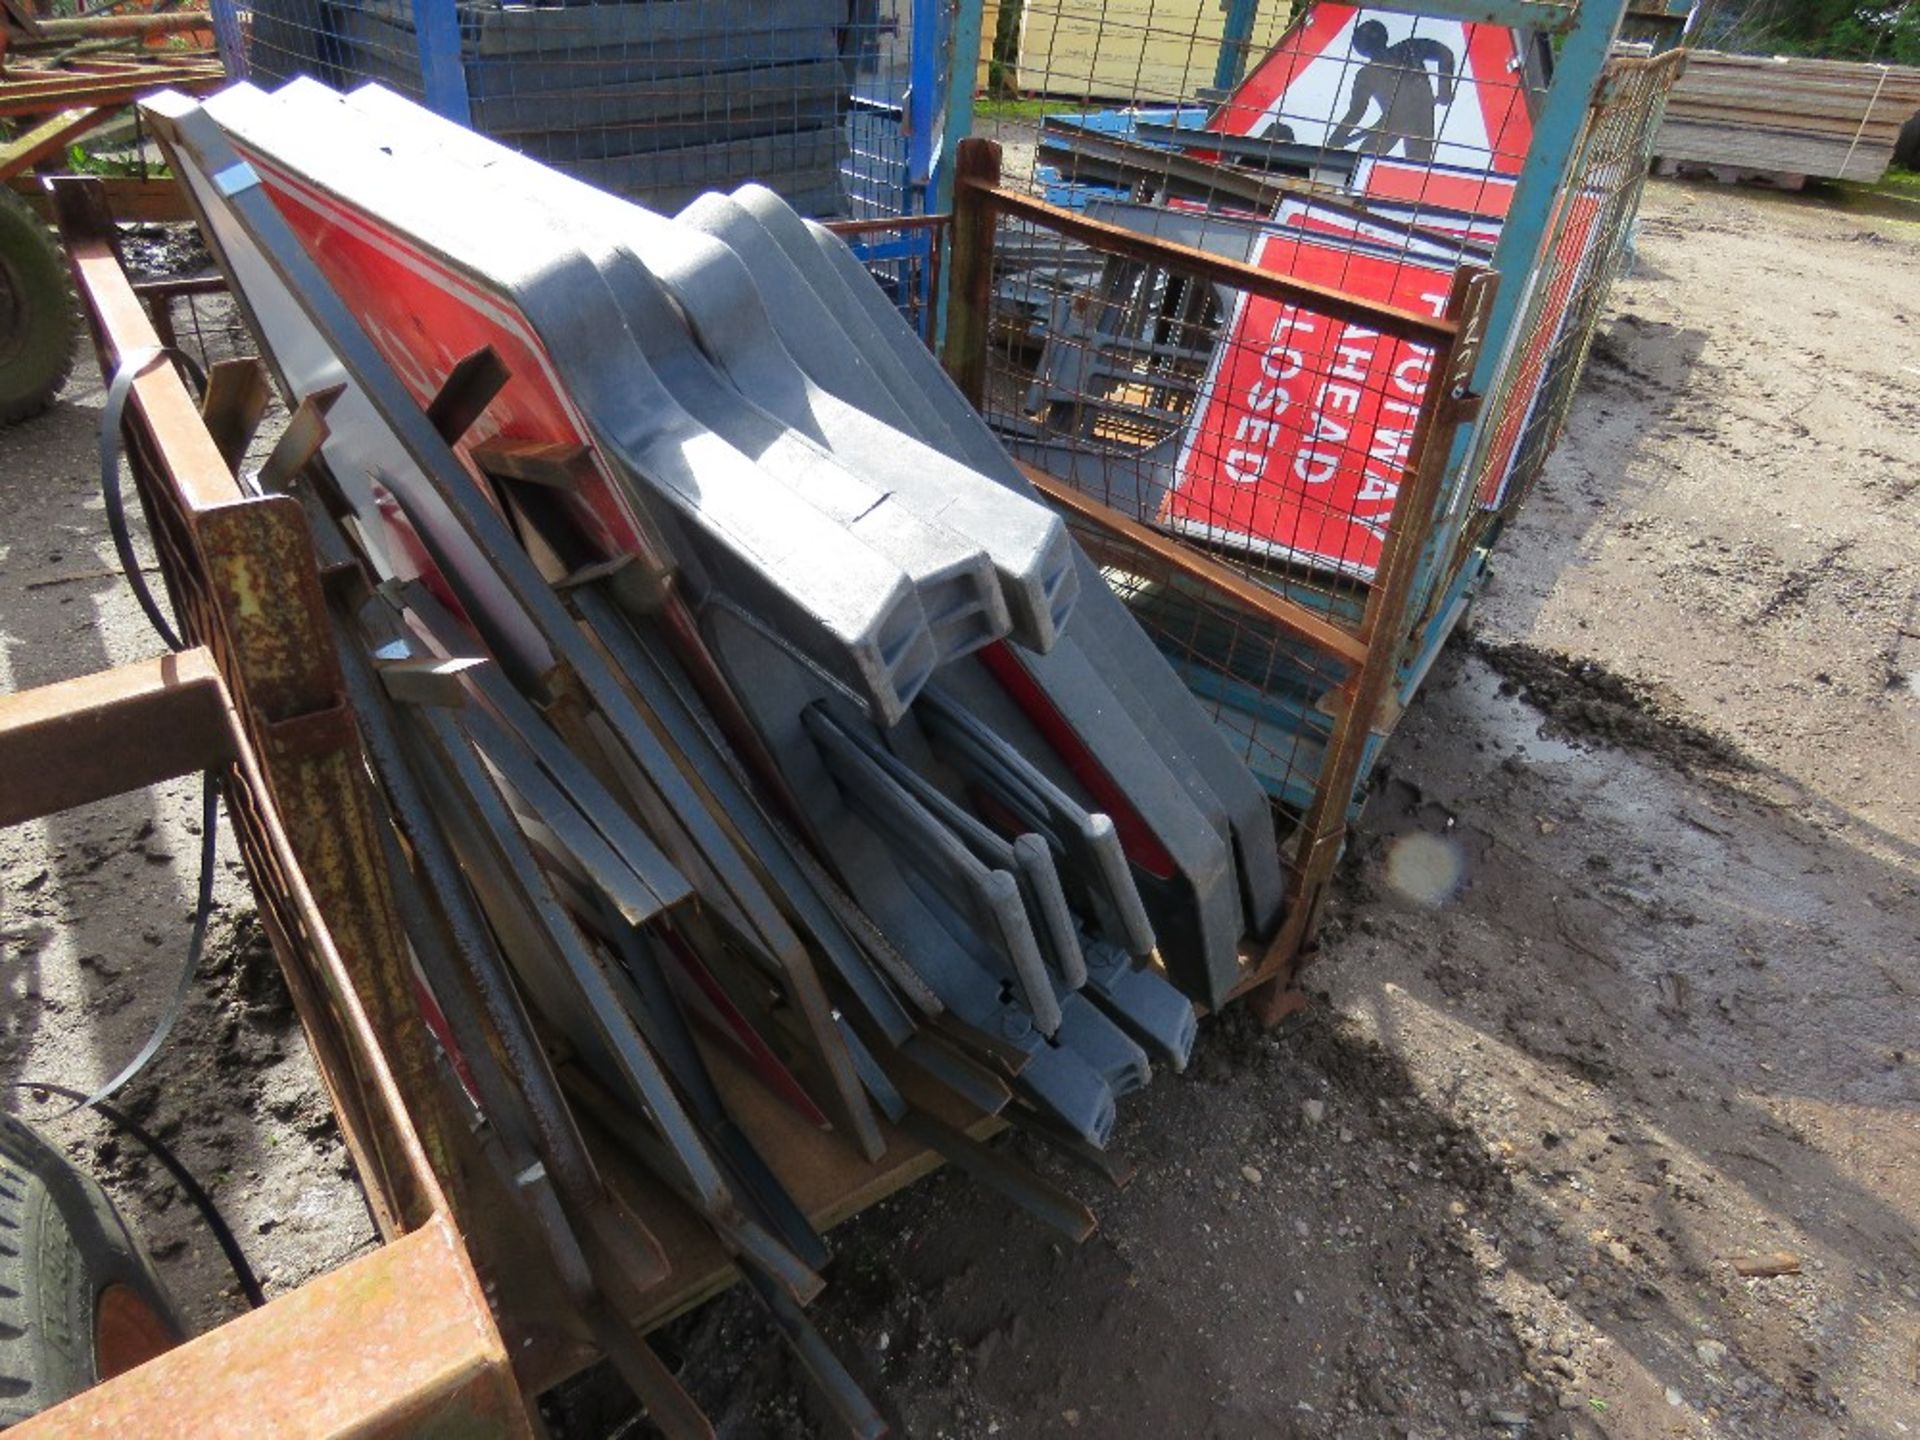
<point>425,317</point>
<point>1557,283</point>
<point>1381,83</point>
<point>1369,228</point>
<point>1302,434</point>
<point>1456,189</point>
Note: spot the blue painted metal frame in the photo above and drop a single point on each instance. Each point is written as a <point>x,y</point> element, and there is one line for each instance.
<point>443,69</point>
<point>1548,15</point>
<point>1578,65</point>
<point>925,105</point>
<point>962,66</point>
<point>1588,29</point>
<point>1234,39</point>
<point>228,36</point>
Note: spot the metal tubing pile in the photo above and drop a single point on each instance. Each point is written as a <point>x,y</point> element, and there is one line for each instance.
<point>735,704</point>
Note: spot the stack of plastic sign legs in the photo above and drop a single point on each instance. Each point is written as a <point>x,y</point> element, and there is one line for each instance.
<point>728,689</point>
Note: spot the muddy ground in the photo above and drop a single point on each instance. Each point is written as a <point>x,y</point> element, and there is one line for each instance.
<point>1620,993</point>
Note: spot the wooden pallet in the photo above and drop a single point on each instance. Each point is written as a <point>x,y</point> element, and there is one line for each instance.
<point>1786,116</point>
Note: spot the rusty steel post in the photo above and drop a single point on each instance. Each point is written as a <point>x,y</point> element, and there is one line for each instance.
<point>970,273</point>
<point>1383,628</point>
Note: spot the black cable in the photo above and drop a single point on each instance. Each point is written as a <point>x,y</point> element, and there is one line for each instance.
<point>131,366</point>
<point>202,914</point>
<point>196,1193</point>
<point>129,370</point>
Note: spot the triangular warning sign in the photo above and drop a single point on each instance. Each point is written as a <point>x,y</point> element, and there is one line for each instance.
<point>1380,83</point>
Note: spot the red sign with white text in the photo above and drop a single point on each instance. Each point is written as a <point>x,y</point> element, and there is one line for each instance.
<point>1302,434</point>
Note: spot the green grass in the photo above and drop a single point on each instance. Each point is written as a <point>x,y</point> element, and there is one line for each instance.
<point>1896,199</point>
<point>1904,183</point>
<point>1028,109</point>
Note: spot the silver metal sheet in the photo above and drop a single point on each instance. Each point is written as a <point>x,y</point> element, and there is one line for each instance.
<point>830,595</point>
<point>1026,542</point>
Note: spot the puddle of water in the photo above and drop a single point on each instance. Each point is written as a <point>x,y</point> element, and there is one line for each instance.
<point>1506,719</point>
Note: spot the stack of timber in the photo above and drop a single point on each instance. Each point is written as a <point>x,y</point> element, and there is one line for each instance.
<point>1787,115</point>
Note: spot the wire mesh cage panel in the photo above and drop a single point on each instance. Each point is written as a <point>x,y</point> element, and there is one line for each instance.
<point>196,316</point>
<point>1242,457</point>
<point>659,101</point>
<point>1276,435</point>
<point>1265,689</point>
<point>1163,100</point>
<point>1124,51</point>
<point>1364,151</point>
<point>1588,243</point>
<point>1242,423</point>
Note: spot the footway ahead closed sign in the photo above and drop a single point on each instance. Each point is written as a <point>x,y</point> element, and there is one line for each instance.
<point>1302,434</point>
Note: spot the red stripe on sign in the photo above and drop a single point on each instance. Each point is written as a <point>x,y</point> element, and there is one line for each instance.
<point>1143,847</point>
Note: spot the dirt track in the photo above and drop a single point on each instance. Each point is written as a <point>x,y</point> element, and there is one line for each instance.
<point>1496,1179</point>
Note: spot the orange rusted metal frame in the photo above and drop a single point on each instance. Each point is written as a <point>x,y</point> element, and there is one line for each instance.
<point>1372,652</point>
<point>395,1343</point>
<point>241,572</point>
<point>104,27</point>
<point>1384,627</point>
<point>134,201</point>
<point>1283,614</point>
<point>176,466</point>
<point>49,137</point>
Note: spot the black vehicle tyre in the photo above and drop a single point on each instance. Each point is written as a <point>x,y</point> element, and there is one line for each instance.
<point>1906,149</point>
<point>79,1300</point>
<point>39,328</point>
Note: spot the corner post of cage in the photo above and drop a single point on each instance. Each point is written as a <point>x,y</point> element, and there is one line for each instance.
<point>228,38</point>
<point>924,102</point>
<point>1577,70</point>
<point>970,273</point>
<point>1578,67</point>
<point>443,69</point>
<point>963,64</point>
<point>1236,36</point>
<point>1451,399</point>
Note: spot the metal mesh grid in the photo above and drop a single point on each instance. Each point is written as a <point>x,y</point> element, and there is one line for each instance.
<point>1176,101</point>
<point>1275,436</point>
<point>196,316</point>
<point>1265,691</point>
<point>903,256</point>
<point>1231,433</point>
<point>1587,241</point>
<point>1591,238</point>
<point>1132,51</point>
<point>1362,150</point>
<point>829,102</point>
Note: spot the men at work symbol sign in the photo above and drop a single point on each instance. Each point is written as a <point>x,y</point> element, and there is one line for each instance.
<point>1379,83</point>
